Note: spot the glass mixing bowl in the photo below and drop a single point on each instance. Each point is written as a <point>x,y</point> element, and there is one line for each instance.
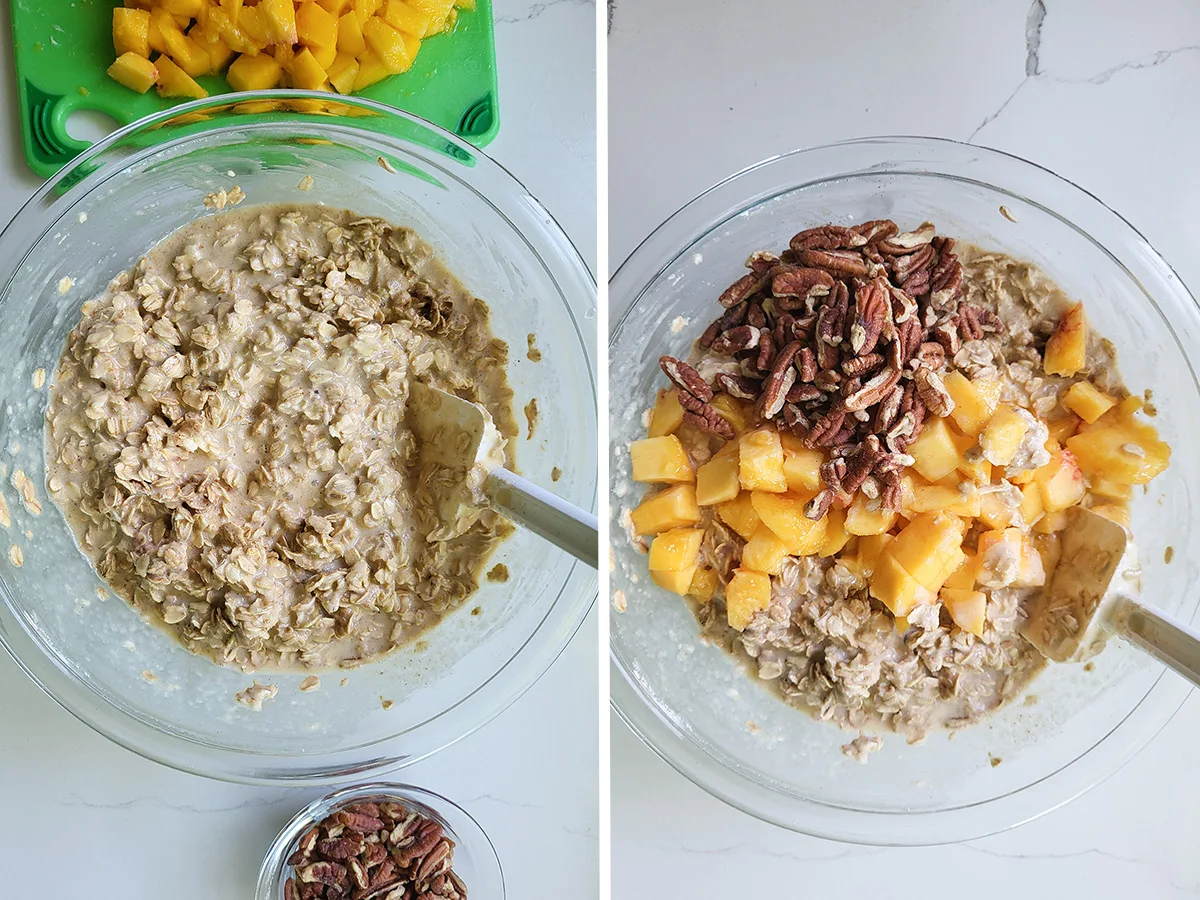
<point>697,708</point>
<point>475,859</point>
<point>119,200</point>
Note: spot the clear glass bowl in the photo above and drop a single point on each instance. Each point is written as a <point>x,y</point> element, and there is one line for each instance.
<point>119,200</point>
<point>475,860</point>
<point>697,708</point>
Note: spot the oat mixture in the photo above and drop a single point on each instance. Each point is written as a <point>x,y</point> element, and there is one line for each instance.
<point>865,466</point>
<point>227,437</point>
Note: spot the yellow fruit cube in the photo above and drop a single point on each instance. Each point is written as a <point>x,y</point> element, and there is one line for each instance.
<point>677,582</point>
<point>371,70</point>
<point>1061,482</point>
<point>220,54</point>
<point>278,20</point>
<point>1111,490</point>
<point>676,550</point>
<point>254,73</point>
<point>1001,507</point>
<point>174,82</point>
<point>764,552</point>
<point>343,72</point>
<point>784,515</point>
<point>135,72</point>
<point>350,41</point>
<point>1114,512</point>
<point>1031,572</point>
<point>870,549</point>
<point>972,409</point>
<point>704,584</point>
<point>667,415</point>
<point>717,480</point>
<point>189,55</point>
<point>284,54</point>
<point>862,520</point>
<point>222,28</point>
<point>732,411</point>
<point>231,8</point>
<point>892,586</point>
<point>1087,401</point>
<point>929,548</point>
<point>364,9</point>
<point>1063,427</point>
<point>387,43</point>
<point>437,9</point>
<point>1128,452</point>
<point>1002,436</point>
<point>1032,506</point>
<point>1049,548</point>
<point>253,21</point>
<point>968,609</point>
<point>740,515</point>
<point>334,7</point>
<point>746,594</point>
<point>963,578</point>
<point>979,471</point>
<point>446,25</point>
<point>936,453</point>
<point>760,461</point>
<point>801,466</point>
<point>667,509</point>
<point>940,498</point>
<point>131,31</point>
<point>407,18</point>
<point>307,74</point>
<point>315,26</point>
<point>1000,557</point>
<point>660,460</point>
<point>1066,351</point>
<point>188,8</point>
<point>836,535</point>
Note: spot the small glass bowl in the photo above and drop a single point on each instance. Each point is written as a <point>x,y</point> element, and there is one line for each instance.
<point>475,859</point>
<point>697,707</point>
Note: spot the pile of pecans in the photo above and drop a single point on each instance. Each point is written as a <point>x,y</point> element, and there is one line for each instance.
<point>374,851</point>
<point>841,340</point>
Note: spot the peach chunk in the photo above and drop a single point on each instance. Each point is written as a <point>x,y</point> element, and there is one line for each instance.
<point>1087,401</point>
<point>1061,482</point>
<point>660,460</point>
<point>746,594</point>
<point>760,463</point>
<point>676,550</point>
<point>764,552</point>
<point>896,589</point>
<point>671,508</point>
<point>968,609</point>
<point>740,515</point>
<point>801,466</point>
<point>784,515</point>
<point>667,415</point>
<point>1066,351</point>
<point>717,479</point>
<point>704,584</point>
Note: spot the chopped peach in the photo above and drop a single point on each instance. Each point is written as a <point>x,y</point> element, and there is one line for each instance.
<point>862,520</point>
<point>760,461</point>
<point>717,480</point>
<point>1051,522</point>
<point>671,508</point>
<point>968,609</point>
<point>870,549</point>
<point>135,72</point>
<point>675,550</point>
<point>1114,512</point>
<point>1087,401</point>
<point>131,31</point>
<point>279,20</point>
<point>667,415</point>
<point>972,409</point>
<point>315,26</point>
<point>746,594</point>
<point>1049,548</point>
<point>1032,505</point>
<point>963,578</point>
<point>1002,437</point>
<point>1031,572</point>
<point>350,40</point>
<point>979,471</point>
<point>740,515</point>
<point>1066,351</point>
<point>678,582</point>
<point>1128,452</point>
<point>836,535</point>
<point>1000,557</point>
<point>704,584</point>
<point>1111,490</point>
<point>936,453</point>
<point>801,466</point>
<point>1063,427</point>
<point>896,589</point>
<point>174,82</point>
<point>732,411</point>
<point>254,73</point>
<point>660,460</point>
<point>940,498</point>
<point>764,552</point>
<point>784,515</point>
<point>929,548</point>
<point>1000,507</point>
<point>1061,482</point>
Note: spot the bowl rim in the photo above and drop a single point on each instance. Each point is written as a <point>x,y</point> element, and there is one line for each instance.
<point>274,864</point>
<point>672,743</point>
<point>490,697</point>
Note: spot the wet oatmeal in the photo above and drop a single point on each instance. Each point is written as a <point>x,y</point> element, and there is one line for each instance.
<point>227,436</point>
<point>860,475</point>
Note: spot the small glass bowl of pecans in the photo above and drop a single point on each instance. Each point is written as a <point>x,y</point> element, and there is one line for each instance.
<point>381,842</point>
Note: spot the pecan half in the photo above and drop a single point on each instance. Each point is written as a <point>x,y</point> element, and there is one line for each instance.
<point>804,285</point>
<point>908,241</point>
<point>825,429</point>
<point>818,506</point>
<point>708,419</point>
<point>685,378</point>
<point>933,392</point>
<point>827,237</point>
<point>871,307</point>
<point>766,351</point>
<point>874,390</point>
<point>857,366</point>
<point>931,355</point>
<point>905,267</point>
<point>744,287</point>
<point>807,364</point>
<point>843,262</point>
<point>778,382</point>
<point>744,337</point>
<point>762,261</point>
<point>742,387</point>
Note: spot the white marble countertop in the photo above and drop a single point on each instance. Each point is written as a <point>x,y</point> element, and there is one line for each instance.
<point>136,829</point>
<point>1103,92</point>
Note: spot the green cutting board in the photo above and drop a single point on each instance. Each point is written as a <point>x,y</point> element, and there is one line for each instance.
<point>63,48</point>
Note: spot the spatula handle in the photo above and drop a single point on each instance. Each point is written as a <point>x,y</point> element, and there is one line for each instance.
<point>551,517</point>
<point>1164,637</point>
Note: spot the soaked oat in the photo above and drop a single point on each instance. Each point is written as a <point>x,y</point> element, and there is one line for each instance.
<point>228,427</point>
<point>498,573</point>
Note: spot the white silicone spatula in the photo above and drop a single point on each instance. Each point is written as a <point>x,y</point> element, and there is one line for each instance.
<point>463,435</point>
<point>1092,594</point>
